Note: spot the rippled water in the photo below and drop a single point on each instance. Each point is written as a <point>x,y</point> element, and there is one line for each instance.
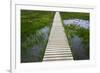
<point>80,22</point>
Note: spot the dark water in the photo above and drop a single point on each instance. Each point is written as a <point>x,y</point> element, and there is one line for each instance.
<point>34,54</point>
<point>76,44</point>
<point>78,48</point>
<point>35,51</point>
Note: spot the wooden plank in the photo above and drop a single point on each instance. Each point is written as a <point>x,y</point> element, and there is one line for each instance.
<point>57,47</point>
<point>55,56</point>
<point>59,53</point>
<point>61,58</point>
<point>57,50</point>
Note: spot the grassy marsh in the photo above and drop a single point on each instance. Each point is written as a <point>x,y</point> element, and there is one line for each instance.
<point>35,29</point>
<point>72,31</point>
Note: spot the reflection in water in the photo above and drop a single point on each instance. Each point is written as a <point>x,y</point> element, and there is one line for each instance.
<point>78,48</point>
<point>80,22</point>
<point>76,42</point>
<point>36,50</point>
<point>34,54</point>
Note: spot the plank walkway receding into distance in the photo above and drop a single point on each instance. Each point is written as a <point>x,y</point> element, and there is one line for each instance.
<point>57,47</point>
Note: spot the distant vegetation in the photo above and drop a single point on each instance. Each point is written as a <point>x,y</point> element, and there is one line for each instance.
<point>72,30</point>
<point>32,22</point>
<point>74,15</point>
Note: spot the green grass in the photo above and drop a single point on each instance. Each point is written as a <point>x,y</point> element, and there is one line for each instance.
<point>74,15</point>
<point>31,23</point>
<point>72,29</point>
<point>83,33</point>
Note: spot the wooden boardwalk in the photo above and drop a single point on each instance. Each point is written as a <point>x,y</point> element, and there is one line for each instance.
<point>57,47</point>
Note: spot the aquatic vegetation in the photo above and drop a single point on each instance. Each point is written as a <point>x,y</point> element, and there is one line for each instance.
<point>35,29</point>
<point>78,35</point>
<point>76,27</point>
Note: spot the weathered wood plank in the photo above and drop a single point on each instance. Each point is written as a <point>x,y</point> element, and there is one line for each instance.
<point>57,47</point>
<point>62,58</point>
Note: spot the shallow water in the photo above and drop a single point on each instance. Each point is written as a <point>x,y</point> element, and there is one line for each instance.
<point>34,53</point>
<point>78,48</point>
<point>76,43</point>
<point>80,22</point>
